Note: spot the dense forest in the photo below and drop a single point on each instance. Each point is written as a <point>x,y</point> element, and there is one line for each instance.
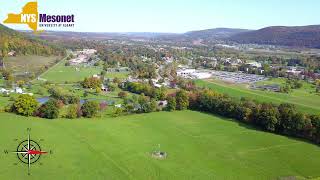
<point>300,36</point>
<point>11,40</point>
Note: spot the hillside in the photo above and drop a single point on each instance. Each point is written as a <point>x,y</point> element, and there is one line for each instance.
<point>11,40</point>
<point>216,33</point>
<point>199,146</point>
<point>297,36</point>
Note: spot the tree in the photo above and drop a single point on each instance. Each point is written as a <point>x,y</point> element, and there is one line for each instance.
<point>171,106</point>
<point>7,75</point>
<point>49,110</point>
<point>91,82</point>
<point>315,120</point>
<point>25,105</point>
<point>160,94</point>
<point>286,116</point>
<point>182,100</point>
<point>90,109</point>
<point>268,117</point>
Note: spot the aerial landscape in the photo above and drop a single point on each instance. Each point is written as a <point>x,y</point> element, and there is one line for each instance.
<point>158,92</point>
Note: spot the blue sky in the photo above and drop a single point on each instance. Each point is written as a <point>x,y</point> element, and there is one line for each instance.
<point>173,15</point>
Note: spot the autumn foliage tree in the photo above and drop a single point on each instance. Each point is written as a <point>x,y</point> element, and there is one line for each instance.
<point>92,82</point>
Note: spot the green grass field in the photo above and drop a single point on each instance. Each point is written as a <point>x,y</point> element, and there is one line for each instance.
<point>303,98</point>
<point>61,73</point>
<point>22,64</point>
<point>199,146</point>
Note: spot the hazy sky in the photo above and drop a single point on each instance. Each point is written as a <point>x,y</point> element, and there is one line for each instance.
<point>172,15</point>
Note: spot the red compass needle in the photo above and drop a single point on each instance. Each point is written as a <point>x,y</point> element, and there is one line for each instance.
<point>36,152</point>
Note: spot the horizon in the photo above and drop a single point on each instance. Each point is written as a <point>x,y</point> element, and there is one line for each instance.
<point>176,17</point>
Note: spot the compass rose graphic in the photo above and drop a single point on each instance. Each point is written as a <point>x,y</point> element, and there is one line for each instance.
<point>29,151</point>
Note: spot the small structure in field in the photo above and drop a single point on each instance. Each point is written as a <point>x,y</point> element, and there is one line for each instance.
<point>159,154</point>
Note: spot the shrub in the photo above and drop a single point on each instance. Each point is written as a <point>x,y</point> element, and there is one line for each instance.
<point>25,105</point>
<point>103,106</point>
<point>182,100</point>
<point>49,110</point>
<point>90,109</point>
<point>74,111</point>
<point>171,106</point>
<point>117,112</point>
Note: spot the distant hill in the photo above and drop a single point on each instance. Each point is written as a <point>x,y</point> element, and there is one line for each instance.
<point>217,33</point>
<point>297,36</point>
<point>11,40</point>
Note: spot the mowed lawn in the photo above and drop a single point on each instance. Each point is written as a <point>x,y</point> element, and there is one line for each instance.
<point>22,64</point>
<point>199,146</point>
<point>61,73</point>
<point>306,100</point>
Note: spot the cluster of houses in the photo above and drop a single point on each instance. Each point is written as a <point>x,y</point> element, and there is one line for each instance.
<point>82,56</point>
<point>16,90</point>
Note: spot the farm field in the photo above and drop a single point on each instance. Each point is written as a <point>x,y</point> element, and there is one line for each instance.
<point>32,64</point>
<point>199,146</point>
<point>61,73</point>
<point>303,98</point>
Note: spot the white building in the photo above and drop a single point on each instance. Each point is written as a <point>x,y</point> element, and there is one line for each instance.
<point>18,90</point>
<point>254,64</point>
<point>185,72</point>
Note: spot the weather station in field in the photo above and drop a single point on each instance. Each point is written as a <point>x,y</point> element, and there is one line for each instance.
<point>28,151</point>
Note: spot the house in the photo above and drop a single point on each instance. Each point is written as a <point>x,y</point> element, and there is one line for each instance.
<point>96,76</point>
<point>4,91</point>
<point>18,90</point>
<point>254,64</point>
<point>294,71</point>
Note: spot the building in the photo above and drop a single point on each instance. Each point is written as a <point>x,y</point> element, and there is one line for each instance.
<point>185,72</point>
<point>254,64</point>
<point>18,90</point>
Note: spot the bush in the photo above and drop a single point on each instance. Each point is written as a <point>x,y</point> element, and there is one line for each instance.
<point>182,100</point>
<point>90,109</point>
<point>49,110</point>
<point>117,112</point>
<point>171,106</point>
<point>74,111</point>
<point>25,105</point>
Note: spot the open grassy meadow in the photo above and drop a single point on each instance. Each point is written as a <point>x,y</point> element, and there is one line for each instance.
<point>61,73</point>
<point>305,98</point>
<point>199,146</point>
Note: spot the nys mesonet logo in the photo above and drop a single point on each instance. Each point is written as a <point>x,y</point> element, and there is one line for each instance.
<point>33,19</point>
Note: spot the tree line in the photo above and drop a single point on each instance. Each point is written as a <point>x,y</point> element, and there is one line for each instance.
<point>281,119</point>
